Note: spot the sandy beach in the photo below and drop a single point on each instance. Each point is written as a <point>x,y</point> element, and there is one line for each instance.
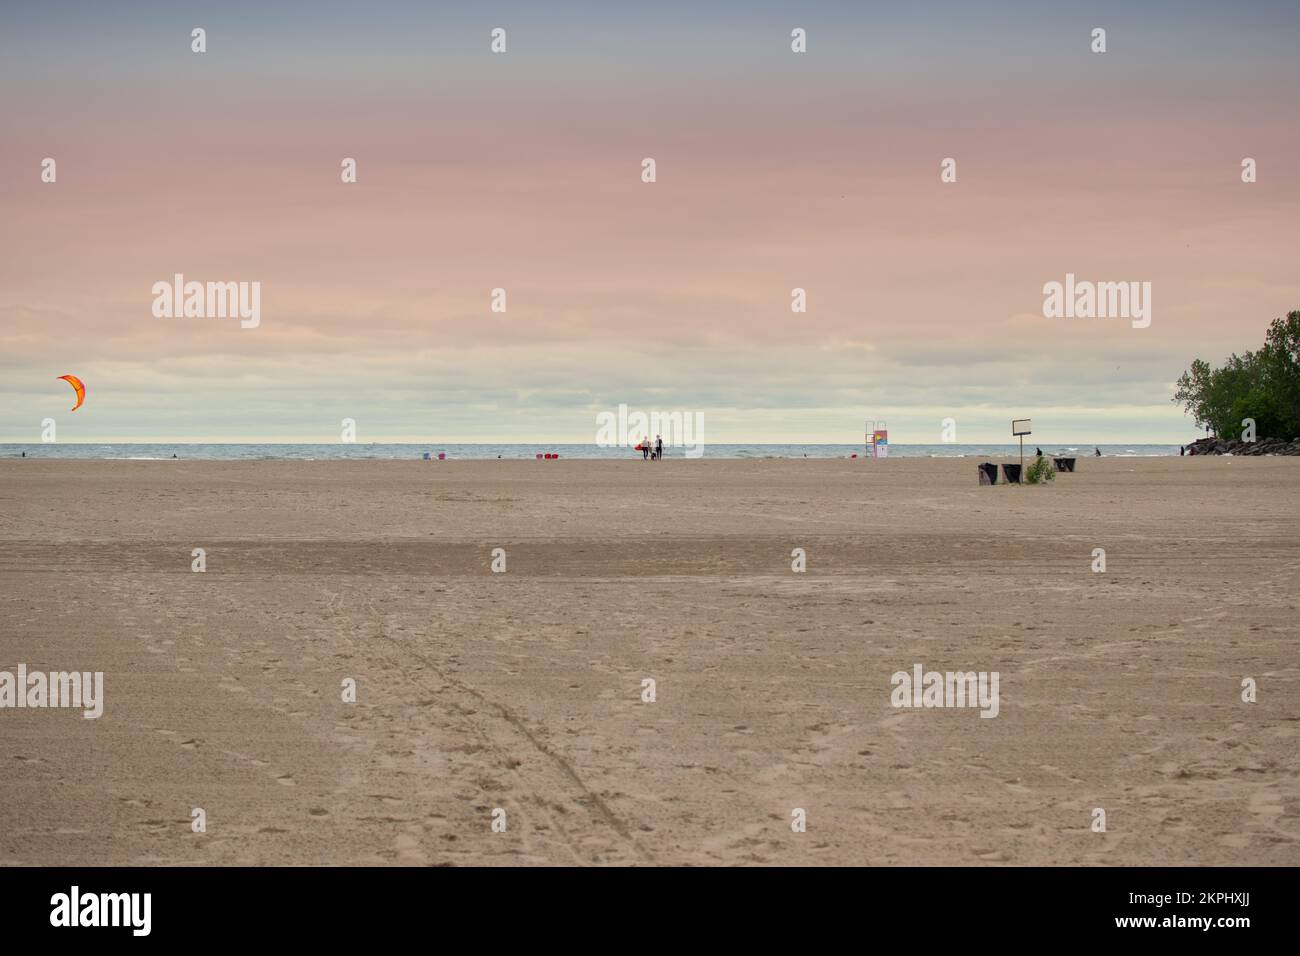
<point>523,690</point>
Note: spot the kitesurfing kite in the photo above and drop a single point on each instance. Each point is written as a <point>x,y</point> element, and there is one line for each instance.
<point>77,387</point>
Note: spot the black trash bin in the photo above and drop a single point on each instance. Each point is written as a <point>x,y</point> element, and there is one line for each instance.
<point>988,473</point>
<point>1011,473</point>
<point>1064,464</point>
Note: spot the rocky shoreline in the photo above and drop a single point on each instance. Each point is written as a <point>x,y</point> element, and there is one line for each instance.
<point>1235,446</point>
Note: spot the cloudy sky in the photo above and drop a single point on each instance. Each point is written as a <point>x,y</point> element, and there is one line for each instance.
<point>522,170</point>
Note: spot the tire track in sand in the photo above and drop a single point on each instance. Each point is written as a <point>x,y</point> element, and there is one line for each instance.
<point>509,725</point>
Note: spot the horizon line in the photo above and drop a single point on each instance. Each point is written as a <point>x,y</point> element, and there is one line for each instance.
<point>585,444</point>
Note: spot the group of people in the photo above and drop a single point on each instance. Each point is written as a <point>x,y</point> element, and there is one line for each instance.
<point>652,452</point>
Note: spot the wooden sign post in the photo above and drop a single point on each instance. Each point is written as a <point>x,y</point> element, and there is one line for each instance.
<point>1021,427</point>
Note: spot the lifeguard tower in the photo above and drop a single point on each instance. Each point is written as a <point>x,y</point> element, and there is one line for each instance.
<point>876,439</point>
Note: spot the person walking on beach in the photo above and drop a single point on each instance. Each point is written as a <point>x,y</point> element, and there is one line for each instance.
<point>659,446</point>
<point>1096,451</point>
<point>645,448</point>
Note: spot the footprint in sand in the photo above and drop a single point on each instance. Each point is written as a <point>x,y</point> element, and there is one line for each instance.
<point>1237,841</point>
<point>1267,807</point>
<point>407,846</point>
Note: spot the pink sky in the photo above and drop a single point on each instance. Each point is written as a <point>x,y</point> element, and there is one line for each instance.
<point>925,299</point>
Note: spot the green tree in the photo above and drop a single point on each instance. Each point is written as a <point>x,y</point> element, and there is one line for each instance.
<point>1263,385</point>
<point>1282,370</point>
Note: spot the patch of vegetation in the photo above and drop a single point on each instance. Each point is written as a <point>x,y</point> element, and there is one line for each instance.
<point>1263,385</point>
<point>1040,471</point>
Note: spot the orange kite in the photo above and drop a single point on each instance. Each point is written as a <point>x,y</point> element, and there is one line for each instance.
<point>77,387</point>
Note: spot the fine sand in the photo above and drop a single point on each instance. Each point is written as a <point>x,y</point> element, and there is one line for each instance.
<point>522,691</point>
